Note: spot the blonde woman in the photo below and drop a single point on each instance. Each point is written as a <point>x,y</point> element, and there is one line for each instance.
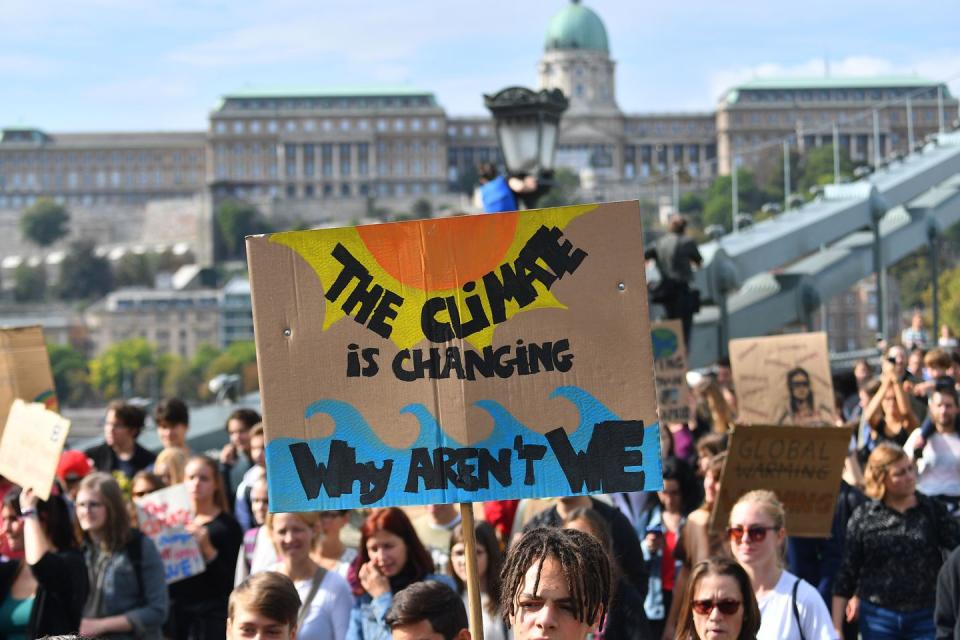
<point>790,608</point>
<point>325,595</point>
<point>893,552</point>
<point>171,465</point>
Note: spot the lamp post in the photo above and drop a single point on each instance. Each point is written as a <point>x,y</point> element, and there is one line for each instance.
<point>527,124</point>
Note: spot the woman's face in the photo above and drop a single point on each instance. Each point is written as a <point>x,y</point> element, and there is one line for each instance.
<point>759,543</point>
<point>458,558</point>
<point>259,502</point>
<point>200,484</point>
<point>141,487</point>
<point>670,496</point>
<point>901,479</point>
<point>387,552</point>
<point>11,528</point>
<point>292,537</point>
<point>91,510</point>
<point>889,404</point>
<point>711,485</point>
<point>332,522</point>
<point>163,472</point>
<point>716,625</point>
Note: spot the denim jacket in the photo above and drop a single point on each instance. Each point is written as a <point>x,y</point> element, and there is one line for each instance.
<point>654,604</point>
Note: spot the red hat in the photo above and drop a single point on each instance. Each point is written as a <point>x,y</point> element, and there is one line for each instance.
<point>73,465</point>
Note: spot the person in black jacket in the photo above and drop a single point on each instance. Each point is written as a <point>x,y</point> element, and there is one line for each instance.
<point>44,593</point>
<point>120,451</point>
<point>945,614</point>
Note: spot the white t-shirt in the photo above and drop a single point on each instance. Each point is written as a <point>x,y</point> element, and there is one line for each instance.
<point>329,614</point>
<point>940,465</point>
<point>777,621</point>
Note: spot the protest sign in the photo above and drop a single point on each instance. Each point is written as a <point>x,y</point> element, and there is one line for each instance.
<point>163,516</point>
<point>30,446</point>
<point>670,367</point>
<point>783,379</point>
<point>456,359</point>
<point>24,369</point>
<point>802,465</point>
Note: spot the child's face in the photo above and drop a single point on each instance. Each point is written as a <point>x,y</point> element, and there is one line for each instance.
<point>246,623</point>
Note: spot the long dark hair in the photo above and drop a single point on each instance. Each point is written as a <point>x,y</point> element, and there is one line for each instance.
<point>486,536</point>
<point>53,515</point>
<point>719,566</point>
<point>395,521</point>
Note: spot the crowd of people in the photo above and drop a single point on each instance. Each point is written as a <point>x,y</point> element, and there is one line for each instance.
<point>627,565</point>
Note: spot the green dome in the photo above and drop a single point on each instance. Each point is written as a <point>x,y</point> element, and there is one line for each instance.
<point>576,27</point>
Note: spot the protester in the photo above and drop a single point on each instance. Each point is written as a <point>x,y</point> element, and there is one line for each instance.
<point>390,558</point>
<point>425,610</point>
<point>265,605</point>
<point>173,421</point>
<point>625,619</point>
<point>947,339</point>
<point>332,553</point>
<point>790,608</point>
<point>718,603</point>
<point>241,499</point>
<point>489,563</point>
<point>73,467</point>
<point>199,603</point>
<point>44,593</point>
<point>495,192</point>
<point>915,336</point>
<point>235,457</point>
<point>889,414</point>
<point>325,596</point>
<point>938,458</point>
<point>947,612</point>
<point>675,256</point>
<point>120,453</point>
<point>555,584</point>
<point>501,513</point>
<point>257,552</point>
<point>434,527</point>
<point>143,483</point>
<point>171,465</point>
<point>893,552</point>
<point>128,591</point>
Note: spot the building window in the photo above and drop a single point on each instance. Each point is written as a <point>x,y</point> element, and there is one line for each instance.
<point>326,159</point>
<point>309,125</point>
<point>344,125</point>
<point>272,126</point>
<point>399,125</point>
<point>345,190</point>
<point>345,160</point>
<point>309,160</point>
<point>221,127</point>
<point>291,125</point>
<point>238,126</point>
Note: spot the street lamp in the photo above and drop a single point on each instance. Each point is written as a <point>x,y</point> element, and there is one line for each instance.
<point>527,125</point>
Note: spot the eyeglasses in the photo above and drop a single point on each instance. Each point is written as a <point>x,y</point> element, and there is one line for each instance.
<point>89,504</point>
<point>139,494</point>
<point>799,383</point>
<point>754,534</point>
<point>727,607</point>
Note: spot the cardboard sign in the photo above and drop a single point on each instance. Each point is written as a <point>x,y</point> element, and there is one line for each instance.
<point>802,465</point>
<point>163,516</point>
<point>24,369</point>
<point>456,359</point>
<point>783,379</point>
<point>30,446</point>
<point>670,367</point>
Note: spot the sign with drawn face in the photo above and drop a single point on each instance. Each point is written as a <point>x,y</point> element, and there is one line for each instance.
<point>670,365</point>
<point>456,359</point>
<point>783,380</point>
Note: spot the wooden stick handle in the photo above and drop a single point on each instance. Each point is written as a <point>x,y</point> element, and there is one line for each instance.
<point>473,580</point>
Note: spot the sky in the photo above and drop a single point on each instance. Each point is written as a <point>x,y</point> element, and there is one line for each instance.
<point>161,65</point>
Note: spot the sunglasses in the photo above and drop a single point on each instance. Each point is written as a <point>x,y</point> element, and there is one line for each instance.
<point>727,607</point>
<point>754,534</point>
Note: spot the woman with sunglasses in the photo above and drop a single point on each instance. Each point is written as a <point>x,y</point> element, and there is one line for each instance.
<point>893,552</point>
<point>718,603</point>
<point>790,608</point>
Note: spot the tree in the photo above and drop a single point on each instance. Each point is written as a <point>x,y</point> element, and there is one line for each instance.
<point>949,295</point>
<point>422,208</point>
<point>135,269</point>
<point>114,373</point>
<point>718,204</point>
<point>29,283</point>
<point>71,375</point>
<point>44,222</point>
<point>816,168</point>
<point>83,274</point>
<point>564,189</point>
<point>235,221</point>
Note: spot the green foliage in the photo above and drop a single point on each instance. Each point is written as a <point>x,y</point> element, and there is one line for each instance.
<point>115,373</point>
<point>949,297</point>
<point>45,222</point>
<point>133,270</point>
<point>422,208</point>
<point>816,168</point>
<point>29,283</point>
<point>83,275</point>
<point>71,375</point>
<point>775,186</point>
<point>691,202</point>
<point>180,381</point>
<point>235,221</point>
<point>718,203</point>
<point>564,190</point>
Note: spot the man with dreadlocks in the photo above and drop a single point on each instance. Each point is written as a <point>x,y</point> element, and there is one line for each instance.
<point>555,584</point>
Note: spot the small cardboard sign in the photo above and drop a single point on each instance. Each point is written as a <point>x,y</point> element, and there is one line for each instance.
<point>163,515</point>
<point>456,359</point>
<point>783,380</point>
<point>802,465</point>
<point>670,368</point>
<point>24,369</point>
<point>30,446</point>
